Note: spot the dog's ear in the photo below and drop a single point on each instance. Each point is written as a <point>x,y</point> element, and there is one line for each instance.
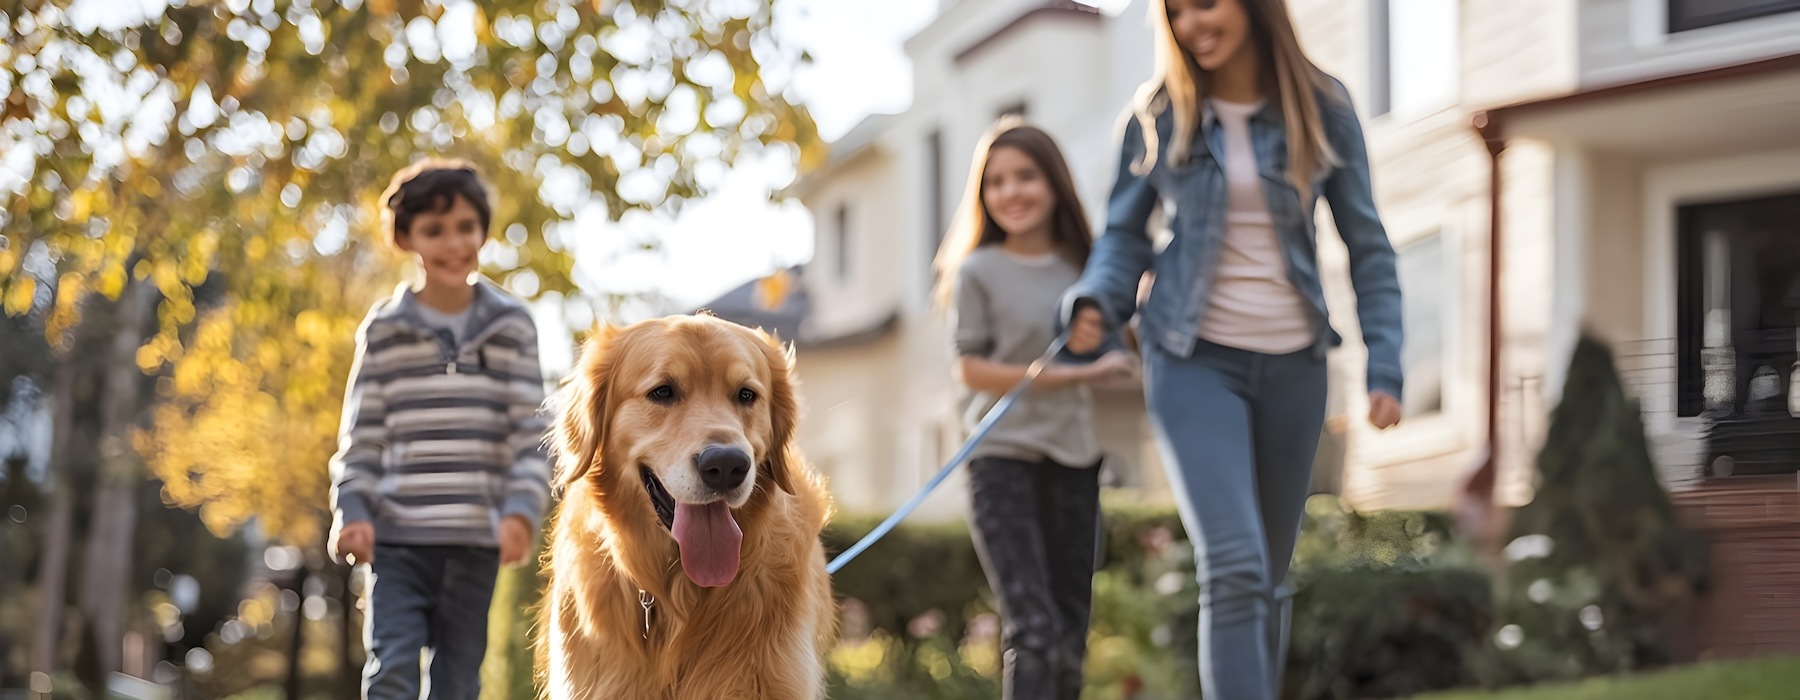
<point>784,407</point>
<point>581,429</point>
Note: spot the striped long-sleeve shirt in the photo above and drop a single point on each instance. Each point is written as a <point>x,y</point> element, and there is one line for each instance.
<point>439,439</point>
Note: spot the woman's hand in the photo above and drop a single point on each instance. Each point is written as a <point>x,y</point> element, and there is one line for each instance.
<point>1384,410</point>
<point>1087,331</point>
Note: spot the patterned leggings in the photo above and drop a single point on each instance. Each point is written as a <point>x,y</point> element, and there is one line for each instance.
<point>1035,527</point>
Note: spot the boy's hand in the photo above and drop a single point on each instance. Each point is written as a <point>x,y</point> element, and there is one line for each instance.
<point>353,542</point>
<point>1384,410</point>
<point>515,540</point>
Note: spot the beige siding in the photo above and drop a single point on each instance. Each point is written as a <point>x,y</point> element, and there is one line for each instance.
<point>1431,177</point>
<point>1517,50</point>
<point>1626,40</point>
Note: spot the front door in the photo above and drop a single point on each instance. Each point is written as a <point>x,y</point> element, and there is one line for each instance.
<point>1740,307</point>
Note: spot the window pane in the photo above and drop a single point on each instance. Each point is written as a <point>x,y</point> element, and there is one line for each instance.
<point>1423,63</point>
<point>1428,294</point>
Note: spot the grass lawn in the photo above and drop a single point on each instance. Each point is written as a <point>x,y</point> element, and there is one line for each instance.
<point>1762,679</point>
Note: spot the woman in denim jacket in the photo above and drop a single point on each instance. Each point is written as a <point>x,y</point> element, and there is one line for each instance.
<point>1237,136</point>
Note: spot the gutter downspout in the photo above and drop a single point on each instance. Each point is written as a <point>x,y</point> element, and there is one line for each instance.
<point>1479,490</point>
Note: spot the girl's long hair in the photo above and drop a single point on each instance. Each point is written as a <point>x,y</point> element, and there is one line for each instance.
<point>973,227</point>
<point>1290,82</point>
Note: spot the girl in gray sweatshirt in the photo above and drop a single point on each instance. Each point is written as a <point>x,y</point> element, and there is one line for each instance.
<point>1020,240</point>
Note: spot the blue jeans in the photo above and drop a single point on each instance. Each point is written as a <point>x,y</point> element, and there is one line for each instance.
<point>430,599</point>
<point>1237,431</point>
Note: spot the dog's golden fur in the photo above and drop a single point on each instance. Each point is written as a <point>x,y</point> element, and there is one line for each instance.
<point>761,636</point>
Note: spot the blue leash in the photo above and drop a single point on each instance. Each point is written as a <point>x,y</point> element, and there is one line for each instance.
<point>987,423</point>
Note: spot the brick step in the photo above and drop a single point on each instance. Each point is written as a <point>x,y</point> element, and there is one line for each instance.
<point>1753,525</point>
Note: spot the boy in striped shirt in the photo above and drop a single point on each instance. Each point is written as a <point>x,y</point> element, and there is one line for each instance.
<point>441,474</point>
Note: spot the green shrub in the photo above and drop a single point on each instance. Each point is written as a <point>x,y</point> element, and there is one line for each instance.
<point>1386,604</point>
<point>1611,563</point>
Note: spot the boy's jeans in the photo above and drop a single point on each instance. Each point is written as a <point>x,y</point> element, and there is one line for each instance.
<point>433,599</point>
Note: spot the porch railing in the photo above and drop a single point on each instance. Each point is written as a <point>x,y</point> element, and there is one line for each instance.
<point>1748,424</point>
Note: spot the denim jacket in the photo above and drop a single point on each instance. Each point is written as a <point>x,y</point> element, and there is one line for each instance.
<point>1193,197</point>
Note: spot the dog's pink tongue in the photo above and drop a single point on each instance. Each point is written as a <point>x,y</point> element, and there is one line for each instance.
<point>709,540</point>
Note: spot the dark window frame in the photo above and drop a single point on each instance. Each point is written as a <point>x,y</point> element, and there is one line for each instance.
<point>934,199</point>
<point>1688,15</point>
<point>1381,55</point>
<point>843,261</point>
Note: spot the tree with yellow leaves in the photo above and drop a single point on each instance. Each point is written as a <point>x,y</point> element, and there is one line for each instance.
<point>205,175</point>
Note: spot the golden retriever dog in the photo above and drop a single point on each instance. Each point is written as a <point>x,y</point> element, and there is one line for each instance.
<point>684,560</point>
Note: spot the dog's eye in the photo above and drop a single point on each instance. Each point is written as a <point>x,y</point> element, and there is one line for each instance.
<point>662,393</point>
<point>746,396</point>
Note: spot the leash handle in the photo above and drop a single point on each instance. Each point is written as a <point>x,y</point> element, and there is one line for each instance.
<point>1110,340</point>
<point>987,424</point>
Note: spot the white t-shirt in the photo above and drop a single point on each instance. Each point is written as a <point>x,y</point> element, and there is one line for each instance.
<point>1252,304</point>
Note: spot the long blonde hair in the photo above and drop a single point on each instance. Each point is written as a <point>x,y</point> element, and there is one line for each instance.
<point>973,227</point>
<point>1289,78</point>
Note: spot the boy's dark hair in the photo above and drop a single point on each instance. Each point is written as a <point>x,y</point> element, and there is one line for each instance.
<point>431,186</point>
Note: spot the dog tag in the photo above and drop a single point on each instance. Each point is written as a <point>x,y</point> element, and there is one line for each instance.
<point>645,600</point>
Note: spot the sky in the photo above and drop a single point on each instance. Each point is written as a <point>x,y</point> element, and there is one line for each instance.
<point>734,235</point>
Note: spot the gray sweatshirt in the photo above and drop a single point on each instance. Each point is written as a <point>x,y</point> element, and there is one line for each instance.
<point>1004,310</point>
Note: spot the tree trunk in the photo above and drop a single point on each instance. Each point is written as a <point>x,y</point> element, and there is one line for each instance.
<point>107,565</point>
<point>53,574</point>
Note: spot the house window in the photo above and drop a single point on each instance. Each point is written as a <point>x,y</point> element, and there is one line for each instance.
<point>1695,14</point>
<point>1414,62</point>
<point>842,233</point>
<point>1428,292</point>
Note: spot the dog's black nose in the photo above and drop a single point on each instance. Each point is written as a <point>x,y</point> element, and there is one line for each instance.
<point>722,468</point>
